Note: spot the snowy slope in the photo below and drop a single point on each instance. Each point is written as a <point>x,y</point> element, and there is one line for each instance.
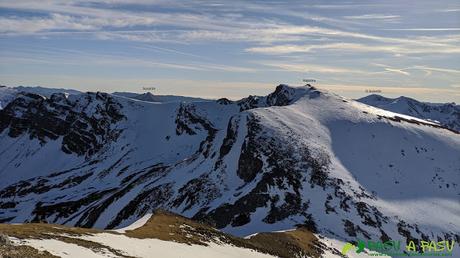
<point>447,114</point>
<point>297,156</point>
<point>147,248</point>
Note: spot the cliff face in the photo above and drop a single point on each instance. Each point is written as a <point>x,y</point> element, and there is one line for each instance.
<point>83,123</point>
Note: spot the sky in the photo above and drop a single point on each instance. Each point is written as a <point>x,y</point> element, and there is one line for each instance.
<point>234,48</point>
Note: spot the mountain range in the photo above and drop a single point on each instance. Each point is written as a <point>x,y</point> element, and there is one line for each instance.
<point>447,114</point>
<point>298,158</point>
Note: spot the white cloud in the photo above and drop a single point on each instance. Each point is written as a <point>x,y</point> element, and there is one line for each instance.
<point>448,10</point>
<point>424,68</point>
<point>407,48</point>
<point>399,71</point>
<point>373,17</point>
<point>435,69</point>
<point>37,24</point>
<point>427,29</point>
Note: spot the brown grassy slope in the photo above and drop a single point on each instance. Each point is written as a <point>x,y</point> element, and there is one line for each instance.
<point>287,244</point>
<point>11,251</point>
<point>172,227</point>
<point>48,231</point>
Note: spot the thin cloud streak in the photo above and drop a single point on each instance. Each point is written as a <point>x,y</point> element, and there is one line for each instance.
<point>373,17</point>
<point>427,29</point>
<point>417,48</point>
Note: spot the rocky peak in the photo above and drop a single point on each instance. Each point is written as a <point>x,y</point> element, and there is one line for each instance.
<point>285,94</point>
<point>282,96</point>
<point>146,97</point>
<point>224,101</point>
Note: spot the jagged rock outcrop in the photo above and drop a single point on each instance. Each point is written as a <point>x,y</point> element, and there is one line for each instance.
<point>84,123</point>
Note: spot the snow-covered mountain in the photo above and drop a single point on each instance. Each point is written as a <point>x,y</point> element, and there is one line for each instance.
<point>299,156</point>
<point>7,94</point>
<point>447,114</point>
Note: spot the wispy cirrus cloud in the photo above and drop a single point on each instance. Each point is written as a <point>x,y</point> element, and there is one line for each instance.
<point>400,71</point>
<point>415,47</point>
<point>449,10</point>
<point>390,69</point>
<point>38,24</point>
<point>435,69</point>
<point>373,16</point>
<point>422,67</point>
<point>426,29</point>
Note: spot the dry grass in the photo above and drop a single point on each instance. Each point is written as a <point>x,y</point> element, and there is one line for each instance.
<point>11,251</point>
<point>50,231</point>
<point>41,230</point>
<point>288,244</point>
<point>171,227</point>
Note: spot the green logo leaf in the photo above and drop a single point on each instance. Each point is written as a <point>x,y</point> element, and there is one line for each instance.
<point>347,248</point>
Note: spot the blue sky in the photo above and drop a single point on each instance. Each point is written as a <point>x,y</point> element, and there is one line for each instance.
<point>233,48</point>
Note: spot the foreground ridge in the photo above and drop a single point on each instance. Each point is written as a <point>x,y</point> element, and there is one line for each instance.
<point>163,233</point>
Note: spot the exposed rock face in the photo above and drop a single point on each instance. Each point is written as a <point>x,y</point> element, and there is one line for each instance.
<point>282,96</point>
<point>84,123</point>
<point>249,163</point>
<point>146,97</point>
<point>224,101</point>
<point>4,240</point>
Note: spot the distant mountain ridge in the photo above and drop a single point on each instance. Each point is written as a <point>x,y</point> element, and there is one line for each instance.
<point>7,94</point>
<point>149,97</point>
<point>447,114</point>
